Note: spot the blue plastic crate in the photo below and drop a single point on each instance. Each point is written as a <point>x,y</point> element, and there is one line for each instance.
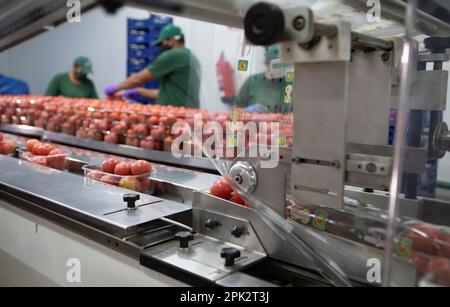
<point>136,68</point>
<point>141,33</point>
<point>140,24</point>
<point>137,32</point>
<point>138,61</point>
<point>161,20</point>
<point>139,39</point>
<point>144,53</point>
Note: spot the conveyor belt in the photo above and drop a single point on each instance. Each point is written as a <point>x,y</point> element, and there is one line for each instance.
<point>97,202</point>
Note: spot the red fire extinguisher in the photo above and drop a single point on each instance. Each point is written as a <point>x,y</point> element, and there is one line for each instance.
<point>226,82</point>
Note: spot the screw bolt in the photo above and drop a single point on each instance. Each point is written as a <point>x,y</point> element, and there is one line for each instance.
<point>299,23</point>
<point>371,168</point>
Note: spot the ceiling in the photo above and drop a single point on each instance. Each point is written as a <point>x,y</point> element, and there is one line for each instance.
<point>23,19</point>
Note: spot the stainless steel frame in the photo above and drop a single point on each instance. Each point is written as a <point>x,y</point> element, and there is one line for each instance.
<point>231,12</point>
<point>94,202</point>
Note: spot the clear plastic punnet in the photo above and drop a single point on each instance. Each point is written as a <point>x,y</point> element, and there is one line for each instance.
<point>141,183</point>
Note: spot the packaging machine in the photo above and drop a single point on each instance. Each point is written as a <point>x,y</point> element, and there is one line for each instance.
<point>329,210</point>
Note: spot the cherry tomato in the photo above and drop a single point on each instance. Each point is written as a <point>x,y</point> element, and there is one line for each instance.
<point>222,189</point>
<point>8,147</point>
<point>109,166</point>
<point>237,199</point>
<point>141,167</point>
<point>123,169</point>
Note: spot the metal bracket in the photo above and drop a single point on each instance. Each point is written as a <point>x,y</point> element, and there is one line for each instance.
<point>428,93</point>
<point>327,49</point>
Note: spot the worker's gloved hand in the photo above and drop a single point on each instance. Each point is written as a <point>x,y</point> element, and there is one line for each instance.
<point>111,90</point>
<point>256,108</point>
<point>132,94</point>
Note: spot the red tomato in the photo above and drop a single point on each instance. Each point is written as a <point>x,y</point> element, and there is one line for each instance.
<point>158,145</point>
<point>8,147</point>
<point>133,118</point>
<point>40,149</point>
<point>171,119</point>
<point>131,132</point>
<point>168,144</point>
<point>420,260</point>
<point>40,160</point>
<point>159,133</point>
<point>95,175</point>
<point>222,189</point>
<point>57,159</point>
<point>110,180</point>
<point>119,128</point>
<point>146,184</point>
<point>440,268</point>
<point>45,149</point>
<point>140,168</point>
<point>123,169</point>
<point>425,238</point>
<point>141,129</point>
<point>56,152</point>
<point>1,137</point>
<point>36,148</point>
<point>237,199</point>
<point>109,166</point>
<point>112,138</point>
<point>445,245</point>
<point>153,121</point>
<point>148,143</point>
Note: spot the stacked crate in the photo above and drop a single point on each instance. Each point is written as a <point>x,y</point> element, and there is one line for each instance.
<point>141,53</point>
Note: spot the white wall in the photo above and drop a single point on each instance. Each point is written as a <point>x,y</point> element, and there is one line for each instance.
<point>103,38</point>
<point>98,36</point>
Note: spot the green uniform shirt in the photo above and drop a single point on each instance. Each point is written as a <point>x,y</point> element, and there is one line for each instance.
<point>268,93</point>
<point>61,85</point>
<point>179,72</point>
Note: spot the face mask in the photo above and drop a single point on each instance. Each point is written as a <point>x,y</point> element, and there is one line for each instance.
<point>163,48</point>
<point>80,76</point>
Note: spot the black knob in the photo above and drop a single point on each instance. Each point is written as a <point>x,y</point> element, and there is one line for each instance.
<point>437,43</point>
<point>131,200</point>
<point>230,254</point>
<point>184,237</point>
<point>211,224</point>
<point>237,231</point>
<point>264,24</point>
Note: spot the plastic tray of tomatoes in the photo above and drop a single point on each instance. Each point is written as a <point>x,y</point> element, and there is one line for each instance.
<point>142,183</point>
<point>428,247</point>
<point>55,161</point>
<point>91,134</point>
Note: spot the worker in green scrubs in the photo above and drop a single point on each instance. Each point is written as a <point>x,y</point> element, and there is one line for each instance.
<point>264,93</point>
<point>74,84</point>
<point>177,69</point>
